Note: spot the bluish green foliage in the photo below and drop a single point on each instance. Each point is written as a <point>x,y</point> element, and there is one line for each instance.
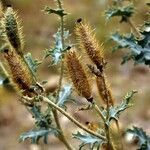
<point>43,120</point>
<point>115,111</point>
<point>33,64</point>
<point>88,139</point>
<point>36,135</point>
<point>57,52</point>
<point>59,12</point>
<point>142,137</point>
<point>44,127</point>
<point>139,48</point>
<point>64,96</point>
<point>123,12</point>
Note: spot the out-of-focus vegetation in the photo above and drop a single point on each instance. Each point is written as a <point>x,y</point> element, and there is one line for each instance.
<point>38,30</point>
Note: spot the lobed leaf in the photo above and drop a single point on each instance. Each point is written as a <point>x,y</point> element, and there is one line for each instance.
<point>43,120</point>
<point>124,12</point>
<point>33,64</point>
<point>59,12</point>
<point>143,138</point>
<point>139,48</point>
<point>56,53</point>
<point>88,139</point>
<point>115,111</point>
<point>64,96</point>
<point>36,135</point>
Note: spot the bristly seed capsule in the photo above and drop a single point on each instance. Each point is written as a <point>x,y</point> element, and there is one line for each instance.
<point>78,75</point>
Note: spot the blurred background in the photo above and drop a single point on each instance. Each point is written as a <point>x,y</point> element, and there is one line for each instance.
<point>38,31</point>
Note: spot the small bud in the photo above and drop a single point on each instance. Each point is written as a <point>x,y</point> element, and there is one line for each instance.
<point>79,20</point>
<point>78,75</point>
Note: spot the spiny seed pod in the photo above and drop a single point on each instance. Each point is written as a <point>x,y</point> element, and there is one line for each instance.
<point>13,30</point>
<point>19,72</point>
<point>89,43</point>
<point>78,75</point>
<point>104,90</point>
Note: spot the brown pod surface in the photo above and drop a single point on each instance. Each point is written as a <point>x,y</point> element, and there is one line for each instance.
<point>78,75</point>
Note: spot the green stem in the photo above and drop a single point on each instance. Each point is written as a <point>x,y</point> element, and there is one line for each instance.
<point>55,113</point>
<point>45,99</point>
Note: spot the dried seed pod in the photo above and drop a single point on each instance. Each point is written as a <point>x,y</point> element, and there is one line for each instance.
<point>89,43</point>
<point>104,90</point>
<point>19,71</point>
<point>78,75</point>
<point>13,30</point>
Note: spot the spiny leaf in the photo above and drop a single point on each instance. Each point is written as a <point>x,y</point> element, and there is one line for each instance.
<point>36,135</point>
<point>43,120</point>
<point>140,49</point>
<point>143,138</point>
<point>64,96</point>
<point>115,111</point>
<point>125,12</point>
<point>33,64</point>
<point>59,12</point>
<point>88,139</point>
<point>57,52</point>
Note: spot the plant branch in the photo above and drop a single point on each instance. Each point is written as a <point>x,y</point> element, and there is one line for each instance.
<point>99,112</point>
<point>133,27</point>
<point>45,99</point>
<point>55,113</point>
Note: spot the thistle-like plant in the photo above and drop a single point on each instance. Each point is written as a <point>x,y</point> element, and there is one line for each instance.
<point>136,41</point>
<point>22,70</point>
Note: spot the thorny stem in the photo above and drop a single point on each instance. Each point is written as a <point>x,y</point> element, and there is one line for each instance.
<point>45,99</point>
<point>55,113</point>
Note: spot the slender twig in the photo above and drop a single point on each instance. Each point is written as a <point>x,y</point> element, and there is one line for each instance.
<point>99,112</point>
<point>129,21</point>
